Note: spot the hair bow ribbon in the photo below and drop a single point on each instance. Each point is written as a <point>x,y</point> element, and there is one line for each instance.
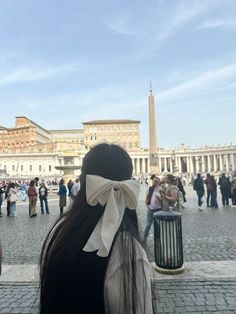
<point>115,196</point>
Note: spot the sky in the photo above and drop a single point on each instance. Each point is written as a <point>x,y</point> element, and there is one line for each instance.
<point>64,62</point>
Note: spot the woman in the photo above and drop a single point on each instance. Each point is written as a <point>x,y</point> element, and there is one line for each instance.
<point>169,197</point>
<point>43,197</point>
<point>84,269</point>
<point>62,192</point>
<point>12,195</point>
<point>33,195</point>
<point>69,187</point>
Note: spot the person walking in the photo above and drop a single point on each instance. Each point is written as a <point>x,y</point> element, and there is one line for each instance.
<point>233,190</point>
<point>2,193</point>
<point>198,186</point>
<point>33,195</point>
<point>23,191</point>
<point>92,260</point>
<point>225,188</point>
<point>209,188</point>
<point>62,192</point>
<point>7,196</point>
<point>12,199</point>
<point>153,203</point>
<point>181,188</point>
<point>43,197</point>
<point>214,203</point>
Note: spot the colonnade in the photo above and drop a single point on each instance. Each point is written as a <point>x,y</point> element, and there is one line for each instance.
<point>187,163</point>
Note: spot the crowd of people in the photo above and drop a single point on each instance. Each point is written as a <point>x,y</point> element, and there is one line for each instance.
<point>209,185</point>
<point>34,190</point>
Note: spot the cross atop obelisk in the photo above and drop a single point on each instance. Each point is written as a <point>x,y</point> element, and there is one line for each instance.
<point>154,169</point>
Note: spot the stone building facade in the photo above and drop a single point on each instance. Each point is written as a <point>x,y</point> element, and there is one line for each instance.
<point>125,133</point>
<point>29,150</point>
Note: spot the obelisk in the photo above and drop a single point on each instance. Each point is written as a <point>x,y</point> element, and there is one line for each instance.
<point>153,158</point>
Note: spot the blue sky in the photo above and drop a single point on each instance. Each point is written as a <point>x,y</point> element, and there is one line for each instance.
<point>63,62</point>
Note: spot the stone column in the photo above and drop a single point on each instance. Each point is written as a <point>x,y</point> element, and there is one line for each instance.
<point>221,166</point>
<point>214,159</point>
<point>138,166</point>
<point>190,164</point>
<point>232,161</point>
<point>171,166</point>
<point>203,164</point>
<point>227,162</point>
<point>165,164</point>
<point>180,165</point>
<point>208,164</point>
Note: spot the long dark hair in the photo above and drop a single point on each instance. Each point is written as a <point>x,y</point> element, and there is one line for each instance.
<point>72,281</point>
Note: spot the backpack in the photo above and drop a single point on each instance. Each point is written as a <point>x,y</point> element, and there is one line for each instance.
<point>224,184</point>
<point>198,184</point>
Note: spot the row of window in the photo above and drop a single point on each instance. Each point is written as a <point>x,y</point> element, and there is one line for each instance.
<point>30,168</point>
<point>112,128</point>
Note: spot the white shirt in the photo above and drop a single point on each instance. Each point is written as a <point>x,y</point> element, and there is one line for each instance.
<point>155,200</point>
<point>75,188</point>
<point>113,287</point>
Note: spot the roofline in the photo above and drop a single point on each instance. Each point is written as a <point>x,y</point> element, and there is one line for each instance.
<point>111,121</point>
<point>64,131</point>
<point>37,125</point>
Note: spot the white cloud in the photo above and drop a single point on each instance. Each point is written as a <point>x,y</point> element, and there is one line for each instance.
<point>34,73</point>
<point>207,80</point>
<point>218,23</point>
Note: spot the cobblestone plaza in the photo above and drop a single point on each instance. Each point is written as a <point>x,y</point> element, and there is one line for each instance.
<point>208,284</point>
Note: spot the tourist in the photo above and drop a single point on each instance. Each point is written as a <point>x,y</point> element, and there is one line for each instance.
<point>198,186</point>
<point>69,187</point>
<point>169,193</point>
<point>23,191</point>
<point>75,188</point>
<point>2,192</point>
<point>62,192</point>
<point>225,188</point>
<point>84,270</point>
<point>153,202</point>
<point>214,203</point>
<point>180,186</point>
<point>209,188</point>
<point>12,195</point>
<point>233,190</point>
<point>43,197</point>
<point>33,195</point>
<point>7,197</point>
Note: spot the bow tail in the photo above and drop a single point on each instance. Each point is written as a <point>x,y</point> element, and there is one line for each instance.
<point>112,218</point>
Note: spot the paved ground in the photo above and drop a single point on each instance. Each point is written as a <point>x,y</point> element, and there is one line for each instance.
<point>209,235</point>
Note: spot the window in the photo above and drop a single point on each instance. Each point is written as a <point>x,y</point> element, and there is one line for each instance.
<point>21,168</point>
<point>40,167</point>
<point>50,168</point>
<point>31,168</point>
<point>13,167</point>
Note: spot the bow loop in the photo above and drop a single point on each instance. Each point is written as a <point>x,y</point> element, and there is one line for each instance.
<point>115,196</point>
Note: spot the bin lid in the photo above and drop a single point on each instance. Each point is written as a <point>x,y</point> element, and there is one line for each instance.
<point>165,214</point>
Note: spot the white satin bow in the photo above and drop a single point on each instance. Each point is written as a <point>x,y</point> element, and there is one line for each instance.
<point>117,195</point>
